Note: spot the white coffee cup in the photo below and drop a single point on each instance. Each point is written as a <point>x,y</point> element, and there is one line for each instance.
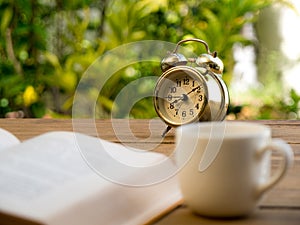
<point>225,166</point>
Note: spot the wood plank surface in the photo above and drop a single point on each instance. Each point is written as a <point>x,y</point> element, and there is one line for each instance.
<point>280,206</point>
<point>262,216</point>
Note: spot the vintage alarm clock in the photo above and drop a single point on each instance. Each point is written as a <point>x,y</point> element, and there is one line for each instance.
<point>190,89</point>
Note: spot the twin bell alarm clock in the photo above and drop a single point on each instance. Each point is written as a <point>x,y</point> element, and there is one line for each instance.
<point>190,89</point>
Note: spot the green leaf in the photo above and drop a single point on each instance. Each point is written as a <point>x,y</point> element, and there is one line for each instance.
<point>53,60</point>
<point>106,103</point>
<point>6,19</point>
<point>294,96</point>
<point>38,109</point>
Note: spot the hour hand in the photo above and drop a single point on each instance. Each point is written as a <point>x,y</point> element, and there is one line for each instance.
<point>173,96</point>
<point>183,97</point>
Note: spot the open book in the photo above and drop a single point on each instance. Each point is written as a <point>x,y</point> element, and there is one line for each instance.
<point>49,180</point>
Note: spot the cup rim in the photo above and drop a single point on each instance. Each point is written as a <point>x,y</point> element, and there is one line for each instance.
<point>224,129</point>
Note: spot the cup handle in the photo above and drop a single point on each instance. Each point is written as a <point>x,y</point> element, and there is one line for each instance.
<point>288,156</point>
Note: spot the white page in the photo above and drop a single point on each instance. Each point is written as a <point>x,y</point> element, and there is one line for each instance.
<point>46,179</point>
<point>7,139</point>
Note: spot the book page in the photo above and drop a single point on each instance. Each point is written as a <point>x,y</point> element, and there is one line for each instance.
<point>7,139</point>
<point>47,179</point>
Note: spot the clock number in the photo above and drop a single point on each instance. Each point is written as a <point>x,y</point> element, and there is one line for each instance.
<point>173,89</point>
<point>171,106</point>
<point>186,81</point>
<point>197,106</point>
<point>170,98</point>
<point>183,114</point>
<point>178,83</point>
<point>198,89</point>
<point>176,110</point>
<point>200,98</point>
<point>191,112</point>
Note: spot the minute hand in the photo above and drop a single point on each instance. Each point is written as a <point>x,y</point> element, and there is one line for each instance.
<point>194,89</point>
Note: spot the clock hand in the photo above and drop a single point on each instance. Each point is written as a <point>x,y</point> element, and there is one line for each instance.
<point>172,96</point>
<point>194,89</point>
<point>175,101</point>
<point>184,97</point>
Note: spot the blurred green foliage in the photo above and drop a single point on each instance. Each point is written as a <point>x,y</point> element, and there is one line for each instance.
<point>264,104</point>
<point>46,46</point>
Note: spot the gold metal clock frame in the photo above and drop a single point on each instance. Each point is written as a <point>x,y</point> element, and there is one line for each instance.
<point>190,89</point>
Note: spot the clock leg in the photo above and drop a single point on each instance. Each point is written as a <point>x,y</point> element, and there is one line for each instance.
<point>166,131</point>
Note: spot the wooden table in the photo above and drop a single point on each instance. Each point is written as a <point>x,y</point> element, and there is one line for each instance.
<point>281,205</point>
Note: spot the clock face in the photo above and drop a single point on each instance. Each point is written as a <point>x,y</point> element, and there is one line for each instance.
<point>180,96</point>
